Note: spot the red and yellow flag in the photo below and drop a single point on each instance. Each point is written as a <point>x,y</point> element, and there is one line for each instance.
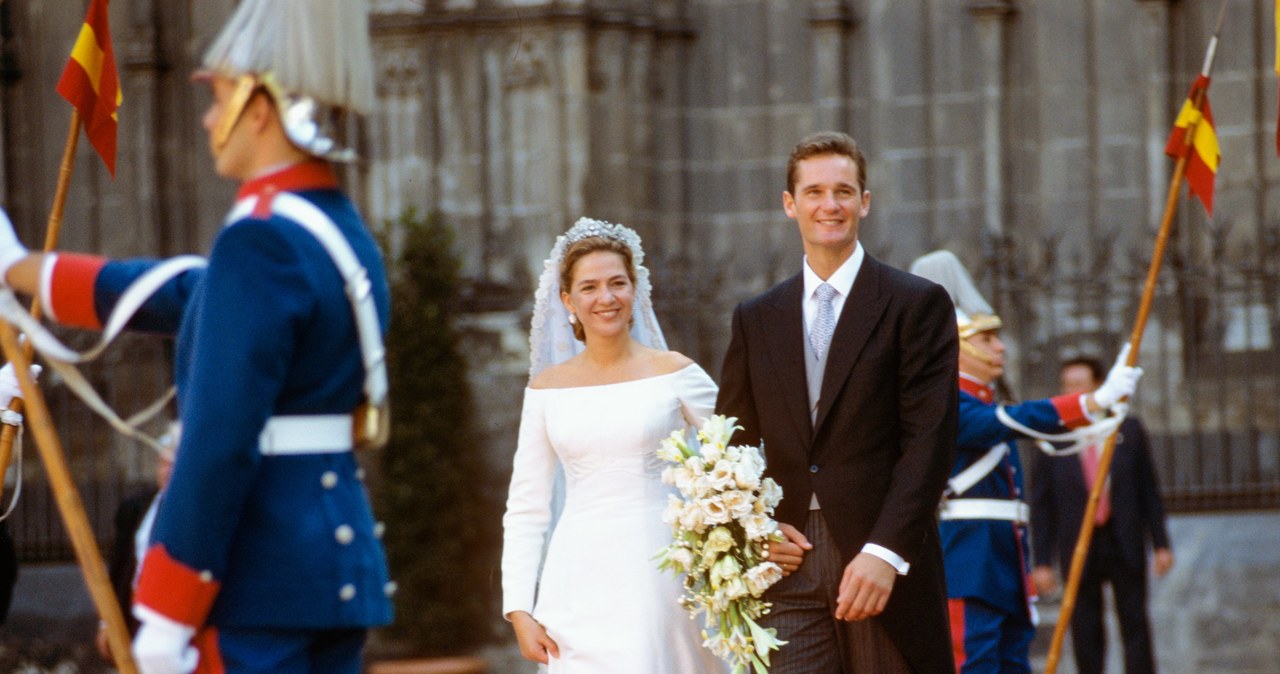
<point>90,83</point>
<point>1202,164</point>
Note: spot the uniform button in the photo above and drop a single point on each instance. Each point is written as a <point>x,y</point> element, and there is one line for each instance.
<point>206,576</point>
<point>390,588</point>
<point>379,528</point>
<point>813,468</point>
<point>344,534</point>
<point>360,474</point>
<point>329,479</point>
<point>347,593</point>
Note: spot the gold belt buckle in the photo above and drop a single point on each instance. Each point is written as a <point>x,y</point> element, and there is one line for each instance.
<point>370,426</point>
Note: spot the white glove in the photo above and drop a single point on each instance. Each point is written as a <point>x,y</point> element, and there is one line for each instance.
<point>11,249</point>
<point>163,646</point>
<point>9,388</point>
<point>1121,381</point>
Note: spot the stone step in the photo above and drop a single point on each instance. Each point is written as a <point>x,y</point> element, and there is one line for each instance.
<point>454,665</point>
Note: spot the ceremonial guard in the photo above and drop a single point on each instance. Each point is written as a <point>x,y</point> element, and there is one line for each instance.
<point>264,556</point>
<point>983,519</point>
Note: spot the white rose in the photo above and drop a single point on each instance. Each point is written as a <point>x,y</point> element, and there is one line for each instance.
<point>714,510</point>
<point>721,475</point>
<point>696,465</point>
<point>761,577</point>
<point>733,453</point>
<point>745,477</point>
<point>682,478</point>
<point>700,487</point>
<point>738,503</point>
<point>752,461</point>
<point>770,493</point>
<point>758,527</point>
<point>693,517</point>
<point>671,514</point>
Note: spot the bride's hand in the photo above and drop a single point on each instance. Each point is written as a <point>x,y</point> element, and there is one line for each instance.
<point>788,554</point>
<point>534,642</point>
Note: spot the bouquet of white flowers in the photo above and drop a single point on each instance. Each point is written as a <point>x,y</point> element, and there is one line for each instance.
<point>720,529</point>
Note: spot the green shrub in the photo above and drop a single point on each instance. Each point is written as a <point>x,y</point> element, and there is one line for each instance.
<point>442,535</point>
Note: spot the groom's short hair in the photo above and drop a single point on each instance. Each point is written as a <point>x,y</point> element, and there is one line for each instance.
<point>826,142</point>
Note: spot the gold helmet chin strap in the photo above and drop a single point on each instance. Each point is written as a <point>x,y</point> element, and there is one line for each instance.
<point>245,86</point>
<point>974,351</point>
<point>972,324</point>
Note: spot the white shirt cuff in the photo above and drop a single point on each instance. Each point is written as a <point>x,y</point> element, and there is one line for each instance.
<point>896,561</point>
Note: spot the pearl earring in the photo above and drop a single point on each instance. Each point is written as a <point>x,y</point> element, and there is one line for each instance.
<point>573,319</point>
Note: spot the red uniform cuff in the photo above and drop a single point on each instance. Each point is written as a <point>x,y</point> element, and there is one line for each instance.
<point>1071,410</point>
<point>175,590</point>
<point>71,290</point>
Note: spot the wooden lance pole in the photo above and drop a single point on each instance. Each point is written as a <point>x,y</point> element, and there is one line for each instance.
<point>52,229</point>
<point>1081,551</point>
<point>51,455</point>
<point>69,504</point>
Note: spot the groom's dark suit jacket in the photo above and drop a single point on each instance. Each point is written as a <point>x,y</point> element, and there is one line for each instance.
<point>880,450</point>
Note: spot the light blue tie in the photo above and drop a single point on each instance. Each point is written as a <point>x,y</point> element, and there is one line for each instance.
<point>824,322</point>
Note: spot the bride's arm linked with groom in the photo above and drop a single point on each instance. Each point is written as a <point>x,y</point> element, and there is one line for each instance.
<point>844,374</point>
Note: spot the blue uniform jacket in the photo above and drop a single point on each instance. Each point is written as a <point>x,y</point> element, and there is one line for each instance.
<point>988,559</point>
<point>240,539</point>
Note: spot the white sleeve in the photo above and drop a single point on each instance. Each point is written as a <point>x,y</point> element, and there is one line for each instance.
<point>697,393</point>
<point>528,507</point>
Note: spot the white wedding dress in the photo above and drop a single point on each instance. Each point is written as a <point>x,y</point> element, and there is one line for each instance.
<point>600,594</point>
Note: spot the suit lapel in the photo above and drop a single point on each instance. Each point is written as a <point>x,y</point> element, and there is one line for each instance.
<point>858,319</point>
<point>786,351</point>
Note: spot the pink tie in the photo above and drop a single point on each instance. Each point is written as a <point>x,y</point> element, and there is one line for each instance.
<point>1090,460</point>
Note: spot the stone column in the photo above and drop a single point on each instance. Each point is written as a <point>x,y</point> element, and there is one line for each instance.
<point>396,151</point>
<point>139,63</point>
<point>831,22</point>
<point>991,17</point>
<point>1157,101</point>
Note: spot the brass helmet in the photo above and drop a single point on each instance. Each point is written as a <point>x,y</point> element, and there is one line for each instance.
<point>971,324</point>
<point>973,314</point>
<point>313,56</point>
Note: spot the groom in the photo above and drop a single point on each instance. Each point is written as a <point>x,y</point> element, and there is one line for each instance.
<point>846,373</point>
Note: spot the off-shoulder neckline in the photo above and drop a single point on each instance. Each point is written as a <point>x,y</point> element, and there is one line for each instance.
<point>616,383</point>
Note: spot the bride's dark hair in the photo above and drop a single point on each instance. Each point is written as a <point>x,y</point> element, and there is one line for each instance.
<point>580,249</point>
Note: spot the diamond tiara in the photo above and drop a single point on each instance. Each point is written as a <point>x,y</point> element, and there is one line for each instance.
<point>586,228</point>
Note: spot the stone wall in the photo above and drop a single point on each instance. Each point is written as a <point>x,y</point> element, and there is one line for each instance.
<point>1011,131</point>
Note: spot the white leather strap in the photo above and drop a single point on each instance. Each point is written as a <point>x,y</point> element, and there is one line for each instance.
<point>977,470</point>
<point>354,276</point>
<point>63,359</point>
<point>1078,437</point>
<point>984,509</point>
<point>130,301</point>
<point>306,434</point>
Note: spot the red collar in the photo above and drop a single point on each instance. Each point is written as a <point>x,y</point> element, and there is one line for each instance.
<point>313,174</point>
<point>977,389</point>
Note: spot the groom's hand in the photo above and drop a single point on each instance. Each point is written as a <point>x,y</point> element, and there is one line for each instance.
<point>865,587</point>
<point>789,554</point>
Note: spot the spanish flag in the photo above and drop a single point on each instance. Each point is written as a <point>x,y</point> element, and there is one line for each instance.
<point>1202,164</point>
<point>90,83</point>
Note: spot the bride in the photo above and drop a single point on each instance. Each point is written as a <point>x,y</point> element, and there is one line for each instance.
<point>604,392</point>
